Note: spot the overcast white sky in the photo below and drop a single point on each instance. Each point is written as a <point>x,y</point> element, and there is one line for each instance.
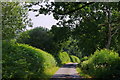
<point>42,20</point>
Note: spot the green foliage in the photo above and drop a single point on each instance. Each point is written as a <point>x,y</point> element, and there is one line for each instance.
<point>84,58</point>
<point>88,23</point>
<point>64,33</point>
<point>81,73</point>
<point>24,61</point>
<point>41,38</point>
<point>51,41</point>
<point>74,59</point>
<point>103,63</point>
<point>71,47</point>
<point>63,57</point>
<point>49,73</point>
<point>14,19</point>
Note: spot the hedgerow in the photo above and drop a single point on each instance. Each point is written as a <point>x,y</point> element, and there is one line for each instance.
<point>63,58</point>
<point>75,59</point>
<point>84,59</point>
<point>103,64</point>
<point>24,61</point>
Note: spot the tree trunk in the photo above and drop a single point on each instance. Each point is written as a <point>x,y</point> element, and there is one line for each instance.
<point>109,38</point>
<point>109,30</point>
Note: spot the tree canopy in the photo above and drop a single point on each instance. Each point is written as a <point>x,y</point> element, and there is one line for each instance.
<point>94,25</point>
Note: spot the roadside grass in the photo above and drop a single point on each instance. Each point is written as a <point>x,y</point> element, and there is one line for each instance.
<point>82,74</point>
<point>48,73</point>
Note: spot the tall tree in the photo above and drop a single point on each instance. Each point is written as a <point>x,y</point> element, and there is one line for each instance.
<point>113,27</point>
<point>14,19</point>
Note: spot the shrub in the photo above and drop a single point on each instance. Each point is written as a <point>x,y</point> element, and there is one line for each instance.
<point>104,63</point>
<point>24,61</point>
<point>84,59</point>
<point>63,57</point>
<point>75,59</point>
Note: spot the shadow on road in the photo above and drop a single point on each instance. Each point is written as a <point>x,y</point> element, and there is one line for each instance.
<point>66,72</point>
<point>69,66</point>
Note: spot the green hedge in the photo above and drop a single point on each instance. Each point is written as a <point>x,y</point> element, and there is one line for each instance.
<point>24,61</point>
<point>102,64</point>
<point>63,57</point>
<point>75,59</point>
<point>84,59</point>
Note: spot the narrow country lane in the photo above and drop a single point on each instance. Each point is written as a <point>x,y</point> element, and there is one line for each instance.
<point>68,71</point>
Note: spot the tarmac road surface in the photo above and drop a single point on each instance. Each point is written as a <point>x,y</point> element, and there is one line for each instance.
<point>68,71</point>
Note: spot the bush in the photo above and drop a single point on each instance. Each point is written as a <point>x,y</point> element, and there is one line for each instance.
<point>63,57</point>
<point>75,59</point>
<point>103,63</point>
<point>23,61</point>
<point>84,59</point>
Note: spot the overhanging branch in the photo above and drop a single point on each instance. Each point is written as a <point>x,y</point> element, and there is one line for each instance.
<point>115,32</point>
<point>74,9</point>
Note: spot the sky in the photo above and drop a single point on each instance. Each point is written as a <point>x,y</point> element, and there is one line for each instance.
<point>42,20</point>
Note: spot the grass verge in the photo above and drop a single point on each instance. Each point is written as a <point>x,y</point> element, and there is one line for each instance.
<point>49,73</point>
<point>82,74</point>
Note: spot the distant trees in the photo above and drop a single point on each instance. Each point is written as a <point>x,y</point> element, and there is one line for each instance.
<point>71,47</point>
<point>56,40</point>
<point>38,37</point>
